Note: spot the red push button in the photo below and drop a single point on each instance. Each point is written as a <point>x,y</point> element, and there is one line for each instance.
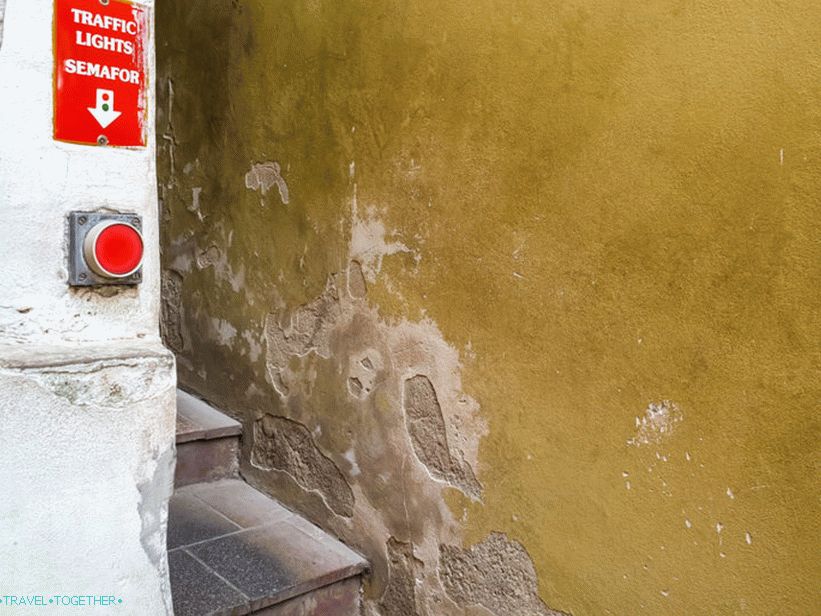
<point>113,249</point>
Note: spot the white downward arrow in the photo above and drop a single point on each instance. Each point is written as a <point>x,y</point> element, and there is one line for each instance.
<point>104,111</point>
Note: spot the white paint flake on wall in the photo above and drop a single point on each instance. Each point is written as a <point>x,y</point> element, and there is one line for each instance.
<point>370,241</point>
<point>657,423</point>
<point>263,176</point>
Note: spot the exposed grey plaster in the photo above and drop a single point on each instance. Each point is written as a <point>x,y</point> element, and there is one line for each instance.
<point>284,445</point>
<point>426,426</point>
<point>208,257</point>
<point>497,574</point>
<point>306,330</point>
<point>399,598</point>
<point>308,327</point>
<point>171,318</point>
<point>339,368</point>
<point>365,373</point>
<point>357,287</point>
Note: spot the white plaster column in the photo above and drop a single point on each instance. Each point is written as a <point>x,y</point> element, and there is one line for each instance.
<point>86,387</point>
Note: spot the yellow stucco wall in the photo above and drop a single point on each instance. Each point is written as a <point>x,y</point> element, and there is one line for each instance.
<point>607,207</point>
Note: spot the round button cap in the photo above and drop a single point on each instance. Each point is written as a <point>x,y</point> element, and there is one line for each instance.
<point>114,249</point>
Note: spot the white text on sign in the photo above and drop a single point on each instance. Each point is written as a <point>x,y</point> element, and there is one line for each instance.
<point>107,43</point>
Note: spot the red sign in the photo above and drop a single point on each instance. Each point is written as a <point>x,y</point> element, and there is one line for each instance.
<point>99,72</point>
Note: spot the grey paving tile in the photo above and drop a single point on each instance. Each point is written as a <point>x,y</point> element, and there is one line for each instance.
<point>326,540</point>
<point>276,560</point>
<point>239,502</point>
<point>196,591</point>
<point>190,520</point>
<point>309,529</point>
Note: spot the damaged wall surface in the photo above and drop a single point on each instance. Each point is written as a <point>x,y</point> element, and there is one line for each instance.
<point>525,279</point>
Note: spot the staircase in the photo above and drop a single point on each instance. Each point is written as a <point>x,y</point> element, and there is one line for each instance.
<point>233,550</point>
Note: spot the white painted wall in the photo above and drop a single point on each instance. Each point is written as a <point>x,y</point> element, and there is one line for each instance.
<point>41,180</point>
<point>86,389</point>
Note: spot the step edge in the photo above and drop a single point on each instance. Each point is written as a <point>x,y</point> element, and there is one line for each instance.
<point>329,579</point>
<point>209,434</point>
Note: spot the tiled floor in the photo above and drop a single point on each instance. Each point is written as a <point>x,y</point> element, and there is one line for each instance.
<point>232,550</point>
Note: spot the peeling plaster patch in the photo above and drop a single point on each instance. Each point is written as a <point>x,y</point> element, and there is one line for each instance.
<point>357,287</point>
<point>181,254</point>
<point>368,244</point>
<point>350,456</point>
<point>355,387</point>
<point>364,373</point>
<point>348,342</point>
<point>169,136</point>
<point>263,176</point>
<point>275,376</point>
<point>224,332</point>
<point>171,319</point>
<point>399,598</point>
<point>307,331</point>
<point>254,345</point>
<point>195,202</point>
<point>426,426</point>
<point>658,423</point>
<point>411,348</point>
<point>284,445</point>
<point>497,574</point>
<point>213,257</point>
<point>208,257</point>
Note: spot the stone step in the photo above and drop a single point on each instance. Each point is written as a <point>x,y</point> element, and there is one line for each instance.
<point>207,442</point>
<point>233,551</point>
